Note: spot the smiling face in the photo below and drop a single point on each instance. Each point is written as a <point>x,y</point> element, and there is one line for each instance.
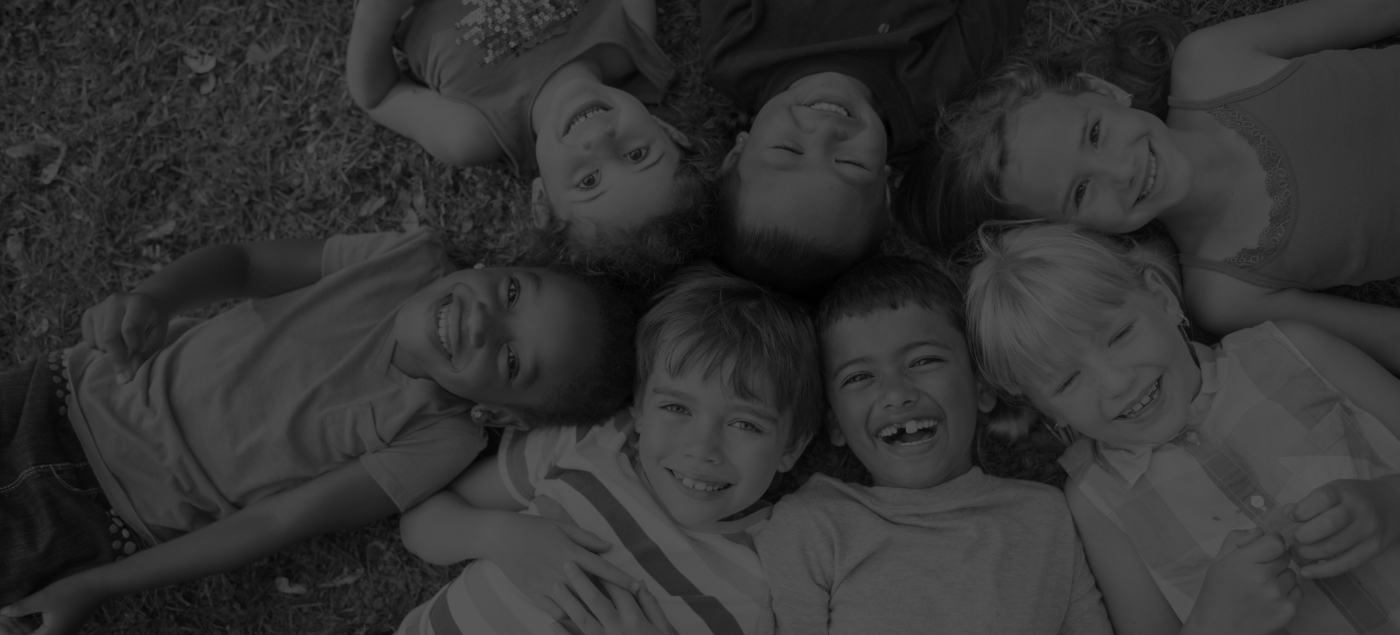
<point>500,336</point>
<point>902,390</point>
<point>1130,384</point>
<point>1089,159</point>
<point>605,163</point>
<point>813,163</point>
<point>706,453</point>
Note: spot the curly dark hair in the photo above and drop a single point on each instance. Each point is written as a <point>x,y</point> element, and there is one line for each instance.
<point>643,258</point>
<point>606,386</point>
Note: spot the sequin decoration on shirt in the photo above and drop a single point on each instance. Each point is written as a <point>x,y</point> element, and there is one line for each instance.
<point>504,28</point>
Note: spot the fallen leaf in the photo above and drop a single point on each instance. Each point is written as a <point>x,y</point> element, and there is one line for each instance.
<point>410,221</point>
<point>467,226</point>
<point>14,248</point>
<point>420,202</point>
<point>208,85</point>
<point>200,62</point>
<point>50,171</point>
<point>41,328</point>
<point>165,229</point>
<point>259,55</point>
<point>372,206</point>
<point>21,150</point>
<point>284,586</point>
<point>342,580</point>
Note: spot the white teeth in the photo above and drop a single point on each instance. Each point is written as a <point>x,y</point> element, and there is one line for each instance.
<point>829,107</point>
<point>1151,176</point>
<point>908,427</point>
<point>1146,399</point>
<point>442,327</point>
<point>584,116</point>
<point>703,486</point>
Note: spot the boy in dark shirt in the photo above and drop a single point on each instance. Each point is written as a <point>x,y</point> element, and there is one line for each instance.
<point>840,90</point>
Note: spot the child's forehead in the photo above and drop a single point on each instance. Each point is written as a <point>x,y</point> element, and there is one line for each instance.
<point>723,383</point>
<point>909,323</point>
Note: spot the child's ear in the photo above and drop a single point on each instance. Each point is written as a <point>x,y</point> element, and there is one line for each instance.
<point>497,417</point>
<point>1162,292</point>
<point>790,455</point>
<point>678,137</point>
<point>733,156</point>
<point>838,438</point>
<point>1109,89</point>
<point>986,396</point>
<point>539,204</point>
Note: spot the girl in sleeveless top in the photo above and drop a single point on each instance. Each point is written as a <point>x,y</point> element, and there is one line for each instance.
<point>1274,170</point>
<point>1246,487</point>
<point>548,86</point>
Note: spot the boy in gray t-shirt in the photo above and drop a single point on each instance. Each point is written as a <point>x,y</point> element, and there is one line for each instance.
<point>935,545</point>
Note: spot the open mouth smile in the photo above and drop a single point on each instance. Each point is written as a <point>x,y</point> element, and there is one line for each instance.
<point>1149,181</point>
<point>1153,392</point>
<point>697,484</point>
<point>444,321</point>
<point>590,111</point>
<point>909,433</point>
<point>826,106</point>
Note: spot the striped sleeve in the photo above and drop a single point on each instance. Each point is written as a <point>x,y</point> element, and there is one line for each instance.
<point>527,456</point>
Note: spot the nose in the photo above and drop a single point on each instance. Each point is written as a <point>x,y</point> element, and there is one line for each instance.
<point>1118,167</point>
<point>704,441</point>
<point>478,324</point>
<point>601,136</point>
<point>1115,378</point>
<point>897,393</point>
<point>811,121</point>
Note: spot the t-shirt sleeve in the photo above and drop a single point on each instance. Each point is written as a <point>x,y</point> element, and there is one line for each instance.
<point>341,251</point>
<point>526,457</point>
<point>799,560</point>
<point>418,463</point>
<point>1086,614</point>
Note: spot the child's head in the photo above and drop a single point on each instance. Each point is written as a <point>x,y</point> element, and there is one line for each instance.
<point>727,393</point>
<point>528,346</point>
<point>1084,326</point>
<point>803,194</point>
<point>1042,140</point>
<point>619,191</point>
<point>901,384</point>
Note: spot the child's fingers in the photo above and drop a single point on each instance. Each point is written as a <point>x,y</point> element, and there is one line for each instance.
<point>1316,502</point>
<point>651,608</point>
<point>1343,562</point>
<point>579,615</point>
<point>627,610</point>
<point>1238,538</point>
<point>601,606</point>
<point>1268,549</point>
<point>1322,528</point>
<point>605,570</point>
<point>584,538</point>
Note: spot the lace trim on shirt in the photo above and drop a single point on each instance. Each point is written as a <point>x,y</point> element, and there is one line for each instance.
<point>1276,182</point>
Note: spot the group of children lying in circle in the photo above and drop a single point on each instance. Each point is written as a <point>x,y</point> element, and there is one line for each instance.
<point>1250,486</point>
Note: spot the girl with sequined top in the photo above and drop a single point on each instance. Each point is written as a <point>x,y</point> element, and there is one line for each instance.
<point>1274,170</point>
<point>553,87</point>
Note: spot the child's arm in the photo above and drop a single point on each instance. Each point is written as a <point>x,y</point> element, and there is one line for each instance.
<point>1248,50</point>
<point>1249,590</point>
<point>451,131</point>
<point>130,327</point>
<point>1347,522</point>
<point>343,498</point>
<point>475,518</point>
<point>1222,304</point>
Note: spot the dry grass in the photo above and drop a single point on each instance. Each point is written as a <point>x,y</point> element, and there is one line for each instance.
<point>159,160</point>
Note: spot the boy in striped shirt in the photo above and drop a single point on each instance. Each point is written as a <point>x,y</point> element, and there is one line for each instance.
<point>727,395</point>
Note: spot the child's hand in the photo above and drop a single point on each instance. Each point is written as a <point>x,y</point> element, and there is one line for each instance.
<point>535,551</point>
<point>1345,523</point>
<point>619,616</point>
<point>1249,588</point>
<point>64,606</point>
<point>129,327</point>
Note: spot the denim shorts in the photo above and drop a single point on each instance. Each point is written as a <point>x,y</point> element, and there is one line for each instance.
<point>54,518</point>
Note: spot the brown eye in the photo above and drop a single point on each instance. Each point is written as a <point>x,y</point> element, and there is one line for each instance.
<point>588,182</point>
<point>637,155</point>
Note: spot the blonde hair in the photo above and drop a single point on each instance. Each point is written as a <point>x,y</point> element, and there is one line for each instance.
<point>1039,287</point>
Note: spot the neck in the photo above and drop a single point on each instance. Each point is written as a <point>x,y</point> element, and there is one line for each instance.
<point>580,68</point>
<point>1217,169</point>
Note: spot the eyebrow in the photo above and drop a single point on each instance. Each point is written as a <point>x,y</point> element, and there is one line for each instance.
<point>903,350</point>
<point>1066,199</point>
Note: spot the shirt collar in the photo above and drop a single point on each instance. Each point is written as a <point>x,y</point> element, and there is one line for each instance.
<point>1129,462</point>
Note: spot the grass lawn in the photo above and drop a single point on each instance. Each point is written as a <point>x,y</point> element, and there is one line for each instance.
<point>141,151</point>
